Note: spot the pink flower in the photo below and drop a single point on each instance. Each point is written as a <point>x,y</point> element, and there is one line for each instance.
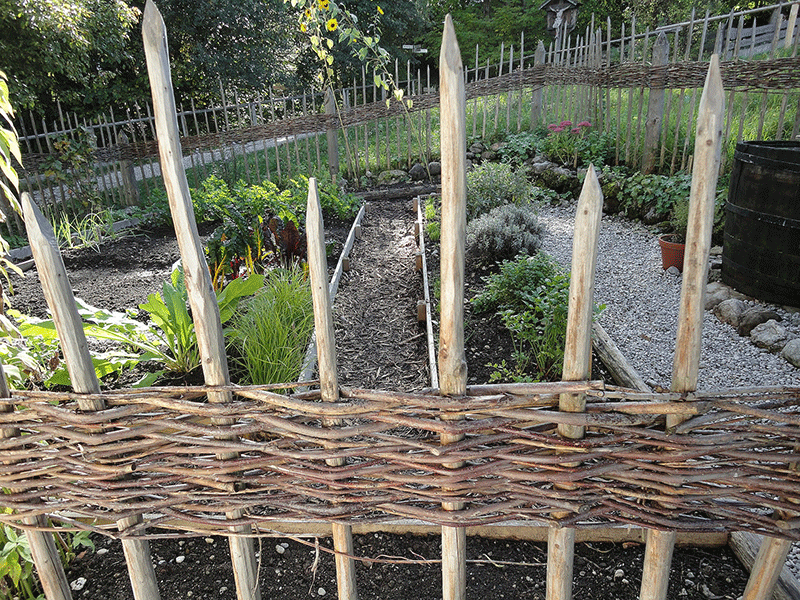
<point>557,129</point>
<point>584,124</point>
<point>552,126</point>
<point>566,124</point>
<point>576,130</point>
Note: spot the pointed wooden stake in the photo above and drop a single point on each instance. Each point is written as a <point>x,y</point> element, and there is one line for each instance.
<point>69,325</point>
<point>577,363</point>
<point>202,299</point>
<point>452,361</point>
<point>707,152</point>
<point>328,378</point>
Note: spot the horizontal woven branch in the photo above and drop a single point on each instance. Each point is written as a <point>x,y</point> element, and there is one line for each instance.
<point>731,466</point>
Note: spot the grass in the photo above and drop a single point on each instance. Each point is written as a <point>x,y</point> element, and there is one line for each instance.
<point>272,331</point>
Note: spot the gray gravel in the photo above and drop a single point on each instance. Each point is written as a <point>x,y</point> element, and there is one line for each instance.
<point>641,314</point>
<point>641,311</point>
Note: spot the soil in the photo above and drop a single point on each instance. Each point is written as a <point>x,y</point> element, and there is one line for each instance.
<point>379,344</point>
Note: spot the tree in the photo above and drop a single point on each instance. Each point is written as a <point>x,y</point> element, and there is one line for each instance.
<point>75,51</point>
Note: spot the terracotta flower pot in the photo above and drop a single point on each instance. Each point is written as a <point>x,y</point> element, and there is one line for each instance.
<point>671,252</point>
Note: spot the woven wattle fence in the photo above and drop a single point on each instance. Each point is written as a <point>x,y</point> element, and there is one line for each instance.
<point>153,453</point>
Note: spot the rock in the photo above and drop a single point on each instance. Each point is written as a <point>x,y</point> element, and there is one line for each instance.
<point>791,352</point>
<point>716,292</point>
<point>280,549</point>
<point>729,311</point>
<point>755,316</point>
<point>418,172</point>
<point>180,559</point>
<point>769,335</point>
<point>619,573</point>
<point>488,155</point>
<point>674,271</point>
<point>497,146</point>
<point>78,584</point>
<point>715,251</point>
<point>470,155</point>
<point>321,592</point>
<point>540,166</point>
<point>651,216</point>
<point>477,148</point>
<point>435,168</point>
<point>392,177</point>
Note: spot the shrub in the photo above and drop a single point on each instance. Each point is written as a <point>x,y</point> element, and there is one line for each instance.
<point>492,184</point>
<point>503,233</point>
<point>273,330</point>
<point>519,147</point>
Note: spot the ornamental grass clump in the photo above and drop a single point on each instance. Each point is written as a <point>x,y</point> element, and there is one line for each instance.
<point>271,334</point>
<point>504,233</point>
<point>493,184</point>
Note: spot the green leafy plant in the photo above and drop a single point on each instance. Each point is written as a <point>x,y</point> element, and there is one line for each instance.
<point>492,184</point>
<point>16,566</point>
<point>519,147</point>
<point>531,295</point>
<point>561,144</point>
<point>86,231</point>
<point>9,151</point>
<point>70,166</point>
<point>503,233</point>
<point>271,332</point>
<point>433,225</point>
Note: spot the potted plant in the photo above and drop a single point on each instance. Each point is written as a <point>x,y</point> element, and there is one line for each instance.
<point>673,244</point>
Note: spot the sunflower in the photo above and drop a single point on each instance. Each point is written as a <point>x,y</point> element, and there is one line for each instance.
<point>324,4</point>
<point>308,13</point>
<point>332,25</point>
<point>303,27</point>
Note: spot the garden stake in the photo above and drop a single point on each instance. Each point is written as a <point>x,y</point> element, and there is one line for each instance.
<point>205,310</point>
<point>708,146</point>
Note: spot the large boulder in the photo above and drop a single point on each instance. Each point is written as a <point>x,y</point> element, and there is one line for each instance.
<point>435,168</point>
<point>418,172</point>
<point>755,316</point>
<point>770,335</point>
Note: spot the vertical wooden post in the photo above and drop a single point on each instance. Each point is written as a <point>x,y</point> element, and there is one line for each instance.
<point>210,340</point>
<point>536,96</point>
<point>452,361</point>
<point>130,187</point>
<point>43,548</point>
<point>61,301</point>
<point>329,384</point>
<point>787,43</point>
<point>707,153</point>
<point>655,105</point>
<point>577,363</point>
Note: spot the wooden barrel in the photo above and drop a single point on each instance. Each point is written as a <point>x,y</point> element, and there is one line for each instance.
<point>761,251</point>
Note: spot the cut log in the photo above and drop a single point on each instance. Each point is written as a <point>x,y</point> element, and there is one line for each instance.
<point>610,355</point>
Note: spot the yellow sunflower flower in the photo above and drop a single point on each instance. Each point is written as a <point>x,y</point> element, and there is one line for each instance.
<point>303,27</point>
<point>332,25</point>
<point>308,13</point>
<point>380,10</point>
<point>324,4</point>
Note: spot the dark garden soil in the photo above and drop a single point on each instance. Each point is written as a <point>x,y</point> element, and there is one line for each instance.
<point>380,344</point>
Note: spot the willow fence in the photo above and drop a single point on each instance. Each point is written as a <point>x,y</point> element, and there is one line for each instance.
<point>238,461</point>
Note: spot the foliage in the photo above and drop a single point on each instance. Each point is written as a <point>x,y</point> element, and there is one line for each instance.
<point>70,166</point>
<point>433,225</point>
<point>17,579</point>
<point>519,147</point>
<point>659,191</point>
<point>503,233</point>
<point>80,49</point>
<point>531,295</point>
<point>9,151</point>
<point>272,330</point>
<point>492,184</point>
<point>85,232</point>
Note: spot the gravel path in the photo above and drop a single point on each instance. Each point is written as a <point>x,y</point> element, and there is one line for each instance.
<point>641,311</point>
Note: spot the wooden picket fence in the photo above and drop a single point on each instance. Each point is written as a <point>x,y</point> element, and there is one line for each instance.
<point>232,461</point>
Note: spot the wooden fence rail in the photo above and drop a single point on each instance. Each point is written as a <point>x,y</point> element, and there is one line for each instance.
<point>135,464</point>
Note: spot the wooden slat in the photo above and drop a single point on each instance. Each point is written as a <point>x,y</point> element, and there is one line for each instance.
<point>577,362</point>
<point>708,147</point>
<point>210,339</point>
<point>452,360</point>
<point>329,383</point>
